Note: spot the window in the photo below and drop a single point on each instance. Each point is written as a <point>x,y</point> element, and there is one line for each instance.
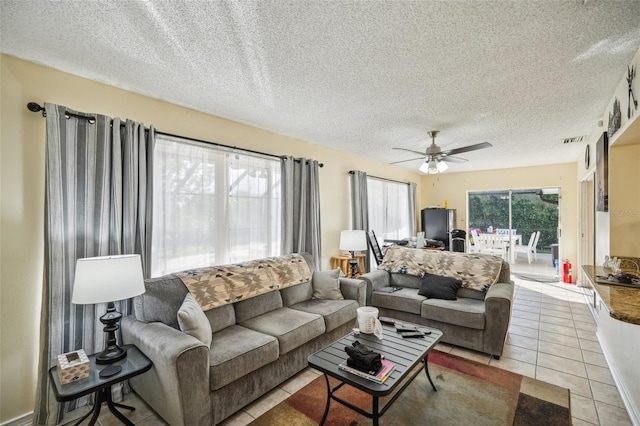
<point>389,209</point>
<point>212,206</point>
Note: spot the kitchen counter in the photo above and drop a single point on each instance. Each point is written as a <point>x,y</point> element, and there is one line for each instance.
<point>622,302</point>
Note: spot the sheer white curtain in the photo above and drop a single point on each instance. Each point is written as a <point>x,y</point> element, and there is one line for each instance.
<point>212,206</point>
<point>389,209</point>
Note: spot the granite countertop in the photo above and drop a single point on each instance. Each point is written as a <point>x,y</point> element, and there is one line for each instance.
<point>623,302</point>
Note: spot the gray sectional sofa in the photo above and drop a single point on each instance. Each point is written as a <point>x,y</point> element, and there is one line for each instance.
<point>256,344</point>
<point>477,319</point>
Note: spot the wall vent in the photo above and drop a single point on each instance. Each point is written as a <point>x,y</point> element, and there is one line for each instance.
<point>574,139</point>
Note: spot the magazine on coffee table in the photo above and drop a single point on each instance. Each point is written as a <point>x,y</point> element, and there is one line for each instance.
<point>379,377</point>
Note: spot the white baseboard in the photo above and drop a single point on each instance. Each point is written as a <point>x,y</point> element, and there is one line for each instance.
<point>24,420</point>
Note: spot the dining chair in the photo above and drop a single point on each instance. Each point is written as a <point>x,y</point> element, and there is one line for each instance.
<point>493,244</point>
<point>528,249</point>
<point>535,245</point>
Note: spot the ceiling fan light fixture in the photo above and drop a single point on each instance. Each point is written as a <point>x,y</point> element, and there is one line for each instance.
<point>424,167</point>
<point>433,167</point>
<point>442,166</point>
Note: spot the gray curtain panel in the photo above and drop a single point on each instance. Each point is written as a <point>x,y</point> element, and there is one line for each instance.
<point>97,203</point>
<point>360,206</point>
<point>412,208</point>
<point>301,207</point>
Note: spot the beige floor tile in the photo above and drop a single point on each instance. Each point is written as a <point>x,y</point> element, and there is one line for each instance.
<point>532,297</point>
<point>587,335</point>
<point>590,345</point>
<point>560,339</point>
<point>594,358</point>
<point>141,412</point>
<point>559,329</point>
<point>521,341</point>
<point>560,350</point>
<point>515,366</point>
<point>154,420</point>
<point>472,355</point>
<point>612,416</point>
<point>241,418</point>
<point>579,325</point>
<point>559,363</point>
<point>526,308</point>
<point>523,331</point>
<point>544,312</point>
<point>268,401</point>
<point>525,322</point>
<point>583,408</point>
<point>520,354</point>
<point>575,384</point>
<point>556,320</point>
<point>557,309</point>
<point>525,315</point>
<point>550,300</point>
<point>583,318</point>
<point>525,302</point>
<point>444,347</point>
<point>600,374</point>
<point>606,393</point>
<point>298,381</point>
<point>579,422</point>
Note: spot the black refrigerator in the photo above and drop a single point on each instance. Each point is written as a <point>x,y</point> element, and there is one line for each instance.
<point>437,224</point>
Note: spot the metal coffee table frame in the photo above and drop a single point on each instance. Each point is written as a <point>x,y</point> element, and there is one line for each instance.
<point>404,353</point>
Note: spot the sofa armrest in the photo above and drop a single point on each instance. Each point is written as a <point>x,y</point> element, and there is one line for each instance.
<point>374,280</point>
<point>498,305</point>
<point>355,289</point>
<point>177,386</point>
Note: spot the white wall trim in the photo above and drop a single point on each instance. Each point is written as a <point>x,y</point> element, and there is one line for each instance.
<point>24,420</point>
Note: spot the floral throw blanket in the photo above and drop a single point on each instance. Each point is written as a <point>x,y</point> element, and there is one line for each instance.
<point>220,285</point>
<point>476,271</point>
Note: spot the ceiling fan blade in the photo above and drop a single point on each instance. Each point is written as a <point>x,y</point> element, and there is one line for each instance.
<point>453,159</point>
<point>411,159</point>
<point>466,149</point>
<point>410,150</point>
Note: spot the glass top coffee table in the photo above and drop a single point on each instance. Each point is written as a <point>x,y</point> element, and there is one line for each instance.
<point>404,353</point>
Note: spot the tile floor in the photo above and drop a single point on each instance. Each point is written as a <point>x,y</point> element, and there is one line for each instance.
<point>551,338</point>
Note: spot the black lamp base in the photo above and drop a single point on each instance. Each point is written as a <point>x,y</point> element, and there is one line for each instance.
<point>112,352</point>
<point>353,263</point>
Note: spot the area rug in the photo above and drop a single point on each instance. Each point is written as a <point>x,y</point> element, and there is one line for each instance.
<point>469,393</point>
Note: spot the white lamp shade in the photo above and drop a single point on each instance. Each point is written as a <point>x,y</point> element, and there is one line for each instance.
<point>424,167</point>
<point>107,279</point>
<point>442,166</point>
<point>353,240</point>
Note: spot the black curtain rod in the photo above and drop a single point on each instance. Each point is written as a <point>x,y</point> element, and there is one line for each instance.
<point>35,107</point>
<point>379,178</point>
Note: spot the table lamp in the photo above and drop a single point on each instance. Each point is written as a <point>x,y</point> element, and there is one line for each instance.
<point>353,241</point>
<point>104,280</point>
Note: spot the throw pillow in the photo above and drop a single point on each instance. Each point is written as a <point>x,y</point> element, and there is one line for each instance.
<point>439,287</point>
<point>193,321</point>
<point>326,285</point>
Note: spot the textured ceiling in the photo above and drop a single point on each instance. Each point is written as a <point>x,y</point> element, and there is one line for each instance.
<point>356,76</point>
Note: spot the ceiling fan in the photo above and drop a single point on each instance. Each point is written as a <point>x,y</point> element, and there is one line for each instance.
<point>434,157</point>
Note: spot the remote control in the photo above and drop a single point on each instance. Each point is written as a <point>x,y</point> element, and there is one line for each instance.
<point>404,327</point>
<point>412,334</point>
<point>387,320</point>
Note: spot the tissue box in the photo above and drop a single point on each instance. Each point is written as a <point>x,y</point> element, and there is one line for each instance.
<point>72,366</point>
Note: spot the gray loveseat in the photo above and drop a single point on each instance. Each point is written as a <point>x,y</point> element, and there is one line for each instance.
<point>476,320</point>
<point>257,343</point>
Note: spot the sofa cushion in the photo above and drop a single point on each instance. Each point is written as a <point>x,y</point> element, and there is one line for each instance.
<point>334,312</point>
<point>404,280</point>
<point>291,327</point>
<point>463,312</point>
<point>296,293</point>
<point>221,317</point>
<point>472,294</point>
<point>258,305</point>
<point>439,287</point>
<point>193,321</point>
<point>161,300</point>
<point>326,285</point>
<point>406,300</point>
<point>237,351</point>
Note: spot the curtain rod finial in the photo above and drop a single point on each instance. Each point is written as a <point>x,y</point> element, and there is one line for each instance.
<point>35,107</point>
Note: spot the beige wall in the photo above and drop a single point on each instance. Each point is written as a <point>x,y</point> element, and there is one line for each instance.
<point>624,200</point>
<point>22,144</point>
<point>455,186</point>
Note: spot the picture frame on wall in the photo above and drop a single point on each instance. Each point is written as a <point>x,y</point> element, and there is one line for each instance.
<point>602,173</point>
